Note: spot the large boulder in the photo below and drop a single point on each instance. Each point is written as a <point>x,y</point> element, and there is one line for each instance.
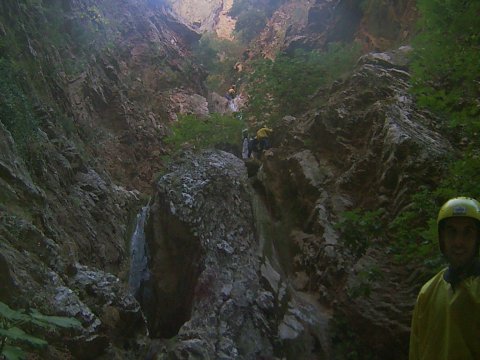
<point>216,286</point>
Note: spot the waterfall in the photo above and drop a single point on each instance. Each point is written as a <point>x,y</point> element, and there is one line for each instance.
<point>139,273</point>
<point>233,105</point>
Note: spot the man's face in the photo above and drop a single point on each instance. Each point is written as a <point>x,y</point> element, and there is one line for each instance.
<point>459,239</point>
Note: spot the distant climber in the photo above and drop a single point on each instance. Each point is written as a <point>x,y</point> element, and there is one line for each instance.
<point>231,93</point>
<point>263,137</point>
<point>245,141</point>
<point>446,319</point>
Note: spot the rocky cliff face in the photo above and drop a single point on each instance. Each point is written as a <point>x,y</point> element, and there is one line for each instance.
<point>374,25</point>
<point>239,267</point>
<point>254,267</point>
<point>206,16</point>
<point>131,89</point>
<point>99,93</point>
<point>368,147</point>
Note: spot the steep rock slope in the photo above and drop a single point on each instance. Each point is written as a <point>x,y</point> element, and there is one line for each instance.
<point>131,88</point>
<point>367,147</point>
<point>261,271</point>
<point>88,89</point>
<point>106,95</point>
<point>374,25</point>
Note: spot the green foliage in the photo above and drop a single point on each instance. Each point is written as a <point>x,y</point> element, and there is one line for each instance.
<point>463,177</point>
<point>286,85</point>
<point>358,228</point>
<point>9,45</point>
<point>16,112</point>
<point>12,334</point>
<point>218,57</point>
<point>90,27</point>
<point>446,64</point>
<point>413,231</point>
<point>93,14</point>
<point>445,76</point>
<point>198,133</point>
<point>411,234</point>
<point>364,281</point>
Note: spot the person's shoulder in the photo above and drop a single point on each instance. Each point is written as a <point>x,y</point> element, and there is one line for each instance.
<point>433,282</point>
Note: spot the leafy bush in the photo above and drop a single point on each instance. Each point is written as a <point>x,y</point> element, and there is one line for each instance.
<point>413,232</point>
<point>218,57</point>
<point>411,235</point>
<point>445,73</point>
<point>364,281</point>
<point>12,334</point>
<point>198,133</point>
<point>446,64</point>
<point>285,86</point>
<point>358,228</point>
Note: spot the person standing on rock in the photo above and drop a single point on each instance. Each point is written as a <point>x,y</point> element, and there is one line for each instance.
<point>446,319</point>
<point>263,137</point>
<point>245,152</point>
<point>232,92</point>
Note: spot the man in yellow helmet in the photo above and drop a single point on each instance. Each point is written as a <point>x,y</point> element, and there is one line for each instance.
<point>446,319</point>
<point>262,137</point>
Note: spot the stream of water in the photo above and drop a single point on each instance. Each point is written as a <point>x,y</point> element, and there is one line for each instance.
<point>139,272</point>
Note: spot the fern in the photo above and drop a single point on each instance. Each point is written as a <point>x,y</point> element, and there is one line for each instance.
<point>12,334</point>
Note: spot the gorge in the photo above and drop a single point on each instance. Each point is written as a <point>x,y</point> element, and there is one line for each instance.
<point>195,253</point>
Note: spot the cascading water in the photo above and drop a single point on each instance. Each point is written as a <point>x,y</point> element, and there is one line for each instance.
<point>232,104</point>
<point>139,272</point>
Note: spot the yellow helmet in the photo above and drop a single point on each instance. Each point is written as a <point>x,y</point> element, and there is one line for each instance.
<point>459,206</point>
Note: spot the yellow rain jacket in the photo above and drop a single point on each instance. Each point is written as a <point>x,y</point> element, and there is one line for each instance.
<point>446,322</point>
<point>263,133</point>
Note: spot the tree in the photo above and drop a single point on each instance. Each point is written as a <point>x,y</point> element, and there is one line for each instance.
<point>446,65</point>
